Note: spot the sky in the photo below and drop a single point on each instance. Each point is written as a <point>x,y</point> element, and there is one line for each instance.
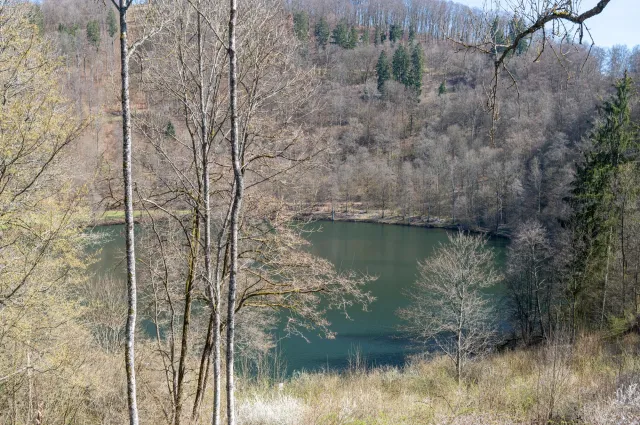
<point>619,23</point>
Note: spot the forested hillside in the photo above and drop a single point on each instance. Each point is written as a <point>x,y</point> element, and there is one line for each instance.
<point>220,129</point>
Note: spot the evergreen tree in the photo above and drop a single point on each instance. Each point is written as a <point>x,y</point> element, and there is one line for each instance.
<point>382,70</point>
<point>170,130</point>
<point>364,38</point>
<point>596,195</point>
<point>395,33</point>
<point>377,35</point>
<point>412,33</point>
<point>401,65</point>
<point>442,89</point>
<point>417,68</point>
<point>112,23</point>
<point>352,41</point>
<point>383,37</point>
<point>321,32</point>
<point>516,26</point>
<point>93,33</point>
<point>340,35</point>
<point>498,35</point>
<point>301,25</point>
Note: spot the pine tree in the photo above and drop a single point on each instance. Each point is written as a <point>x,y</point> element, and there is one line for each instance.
<point>401,65</point>
<point>595,199</point>
<point>442,89</point>
<point>417,67</point>
<point>112,23</point>
<point>395,33</point>
<point>498,36</point>
<point>377,36</point>
<point>412,33</point>
<point>321,32</point>
<point>93,33</point>
<point>352,40</point>
<point>382,70</point>
<point>364,38</point>
<point>301,25</point>
<point>340,35</point>
<point>170,130</point>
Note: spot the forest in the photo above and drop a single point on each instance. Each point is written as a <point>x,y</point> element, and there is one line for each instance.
<point>216,133</point>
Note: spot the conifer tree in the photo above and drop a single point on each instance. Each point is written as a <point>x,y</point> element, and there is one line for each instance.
<point>321,32</point>
<point>301,25</point>
<point>395,33</point>
<point>401,65</point>
<point>93,33</point>
<point>112,23</point>
<point>596,196</point>
<point>417,66</point>
<point>352,40</point>
<point>382,70</point>
<point>340,35</point>
<point>377,35</point>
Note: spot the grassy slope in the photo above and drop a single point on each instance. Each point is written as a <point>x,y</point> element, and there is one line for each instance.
<point>589,383</point>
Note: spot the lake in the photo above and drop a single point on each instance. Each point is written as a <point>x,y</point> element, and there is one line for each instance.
<point>389,252</point>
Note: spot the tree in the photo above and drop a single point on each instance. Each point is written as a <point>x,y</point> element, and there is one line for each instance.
<point>383,70</point>
<point>416,70</point>
<point>352,42</point>
<point>340,35</point>
<point>42,221</point>
<point>112,23</point>
<point>395,33</point>
<point>529,281</point>
<point>301,25</point>
<point>377,35</point>
<point>93,33</point>
<point>597,198</point>
<point>401,64</point>
<point>321,32</point>
<point>442,88</point>
<point>448,306</point>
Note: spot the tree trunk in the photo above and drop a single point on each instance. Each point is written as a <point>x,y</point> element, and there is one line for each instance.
<point>128,217</point>
<point>235,212</point>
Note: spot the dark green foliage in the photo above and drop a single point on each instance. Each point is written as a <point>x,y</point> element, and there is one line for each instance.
<point>401,65</point>
<point>499,38</point>
<point>516,26</point>
<point>395,33</point>
<point>364,38</point>
<point>321,32</point>
<point>93,33</point>
<point>301,25</point>
<point>417,68</point>
<point>598,190</point>
<point>112,23</point>
<point>352,41</point>
<point>70,30</point>
<point>412,33</point>
<point>383,37</point>
<point>170,130</point>
<point>382,70</point>
<point>340,35</point>
<point>442,89</point>
<point>377,35</point>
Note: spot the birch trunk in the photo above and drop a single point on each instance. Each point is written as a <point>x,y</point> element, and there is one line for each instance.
<point>128,216</point>
<point>235,212</point>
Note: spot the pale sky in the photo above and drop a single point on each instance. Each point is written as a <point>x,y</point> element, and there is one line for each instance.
<point>619,23</point>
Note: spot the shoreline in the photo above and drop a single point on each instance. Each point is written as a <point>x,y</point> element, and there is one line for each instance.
<point>115,218</point>
<point>397,220</point>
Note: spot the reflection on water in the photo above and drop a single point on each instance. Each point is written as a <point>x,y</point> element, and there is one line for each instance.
<point>386,251</point>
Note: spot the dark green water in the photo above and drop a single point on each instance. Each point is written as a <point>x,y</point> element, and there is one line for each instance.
<point>386,251</point>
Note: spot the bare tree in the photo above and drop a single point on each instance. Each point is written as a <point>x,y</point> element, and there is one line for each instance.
<point>448,306</point>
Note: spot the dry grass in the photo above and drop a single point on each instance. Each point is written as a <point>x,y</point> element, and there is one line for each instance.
<point>591,382</point>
